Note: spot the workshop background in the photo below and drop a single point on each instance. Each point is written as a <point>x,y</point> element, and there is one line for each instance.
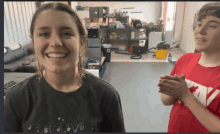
<point>130,45</point>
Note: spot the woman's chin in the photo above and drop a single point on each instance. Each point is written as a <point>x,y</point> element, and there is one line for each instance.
<point>58,69</point>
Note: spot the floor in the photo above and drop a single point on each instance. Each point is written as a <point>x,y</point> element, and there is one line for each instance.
<point>136,83</point>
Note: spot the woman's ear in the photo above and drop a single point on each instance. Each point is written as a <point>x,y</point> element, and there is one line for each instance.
<point>37,60</point>
<point>31,38</point>
<point>83,42</point>
<point>84,39</point>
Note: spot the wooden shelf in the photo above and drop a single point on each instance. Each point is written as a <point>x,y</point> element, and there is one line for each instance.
<point>139,39</point>
<point>119,17</point>
<point>140,28</point>
<point>117,28</point>
<point>119,39</point>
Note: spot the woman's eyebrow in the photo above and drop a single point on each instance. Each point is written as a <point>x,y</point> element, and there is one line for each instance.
<point>62,28</point>
<point>44,27</point>
<point>66,27</point>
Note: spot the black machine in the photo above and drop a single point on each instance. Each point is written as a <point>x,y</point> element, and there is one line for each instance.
<point>93,33</point>
<point>138,51</point>
<point>137,24</point>
<point>163,45</point>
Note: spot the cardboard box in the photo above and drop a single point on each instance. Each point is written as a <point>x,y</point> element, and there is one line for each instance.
<point>95,20</point>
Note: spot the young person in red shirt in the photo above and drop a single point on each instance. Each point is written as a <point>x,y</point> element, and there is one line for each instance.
<point>193,86</point>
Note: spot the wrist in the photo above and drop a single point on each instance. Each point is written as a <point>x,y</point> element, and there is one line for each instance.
<point>186,97</point>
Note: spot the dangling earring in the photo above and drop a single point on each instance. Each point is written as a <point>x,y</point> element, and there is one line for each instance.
<point>39,71</point>
<point>80,66</point>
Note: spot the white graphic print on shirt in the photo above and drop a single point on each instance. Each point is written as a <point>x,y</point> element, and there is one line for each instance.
<point>62,126</point>
<point>200,92</point>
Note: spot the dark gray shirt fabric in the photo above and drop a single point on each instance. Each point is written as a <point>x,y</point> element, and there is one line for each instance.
<point>34,106</point>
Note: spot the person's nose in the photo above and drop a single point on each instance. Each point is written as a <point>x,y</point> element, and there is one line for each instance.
<point>55,40</point>
<point>202,30</point>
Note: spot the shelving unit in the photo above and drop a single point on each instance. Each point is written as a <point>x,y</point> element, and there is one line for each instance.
<point>124,34</point>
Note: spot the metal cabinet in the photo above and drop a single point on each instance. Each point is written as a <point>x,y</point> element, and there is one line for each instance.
<point>94,53</point>
<point>94,49</point>
<point>100,12</point>
<point>93,12</point>
<point>94,42</point>
<point>97,12</point>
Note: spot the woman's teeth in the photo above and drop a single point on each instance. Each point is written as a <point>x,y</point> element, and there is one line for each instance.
<point>54,55</point>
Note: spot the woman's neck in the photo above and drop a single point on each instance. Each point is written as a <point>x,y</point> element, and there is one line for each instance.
<point>66,81</point>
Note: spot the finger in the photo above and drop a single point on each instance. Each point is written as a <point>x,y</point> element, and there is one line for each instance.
<point>169,77</point>
<point>161,89</point>
<point>183,76</point>
<point>180,78</point>
<point>165,86</point>
<point>164,76</point>
<point>169,81</point>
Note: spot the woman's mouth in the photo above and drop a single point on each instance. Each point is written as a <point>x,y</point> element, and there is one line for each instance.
<point>57,55</point>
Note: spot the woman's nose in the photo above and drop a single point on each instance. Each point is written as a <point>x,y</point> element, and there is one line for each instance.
<point>55,41</point>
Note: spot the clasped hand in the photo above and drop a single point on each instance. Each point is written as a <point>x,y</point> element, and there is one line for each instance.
<point>174,86</point>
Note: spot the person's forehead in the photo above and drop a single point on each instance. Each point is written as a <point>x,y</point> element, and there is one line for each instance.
<point>56,17</point>
<point>210,18</point>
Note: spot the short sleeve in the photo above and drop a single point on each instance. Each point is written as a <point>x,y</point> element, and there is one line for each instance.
<point>11,120</point>
<point>174,70</point>
<point>113,120</point>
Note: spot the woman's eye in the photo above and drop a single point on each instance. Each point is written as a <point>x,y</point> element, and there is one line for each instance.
<point>44,34</point>
<point>212,26</point>
<point>66,34</point>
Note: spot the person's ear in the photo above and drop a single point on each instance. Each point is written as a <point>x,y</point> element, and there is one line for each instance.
<point>31,38</point>
<point>84,39</point>
<point>37,60</point>
<point>83,42</point>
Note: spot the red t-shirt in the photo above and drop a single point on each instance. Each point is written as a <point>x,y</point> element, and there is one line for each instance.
<point>204,84</point>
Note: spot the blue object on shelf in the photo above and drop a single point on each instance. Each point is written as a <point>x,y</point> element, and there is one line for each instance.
<point>78,7</point>
<point>101,66</point>
<point>111,26</point>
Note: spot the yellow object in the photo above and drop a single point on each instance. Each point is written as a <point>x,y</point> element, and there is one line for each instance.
<point>161,54</point>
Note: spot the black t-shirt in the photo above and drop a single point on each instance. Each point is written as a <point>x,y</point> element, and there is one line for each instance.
<point>34,106</point>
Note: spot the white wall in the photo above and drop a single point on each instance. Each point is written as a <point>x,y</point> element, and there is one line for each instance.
<point>188,41</point>
<point>179,20</point>
<point>73,5</point>
<point>17,19</point>
<point>150,9</point>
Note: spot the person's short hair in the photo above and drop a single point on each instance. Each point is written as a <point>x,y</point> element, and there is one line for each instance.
<point>212,9</point>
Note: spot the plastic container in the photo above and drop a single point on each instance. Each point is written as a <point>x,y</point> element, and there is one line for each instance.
<point>161,54</point>
<point>107,52</point>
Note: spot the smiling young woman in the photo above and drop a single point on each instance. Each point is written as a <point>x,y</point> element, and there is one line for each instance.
<point>63,97</point>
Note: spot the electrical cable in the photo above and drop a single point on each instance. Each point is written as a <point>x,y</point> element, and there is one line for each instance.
<point>135,56</point>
